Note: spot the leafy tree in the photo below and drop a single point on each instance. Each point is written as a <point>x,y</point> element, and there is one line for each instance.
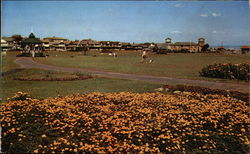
<point>32,35</point>
<point>205,47</point>
<point>155,49</point>
<point>18,38</point>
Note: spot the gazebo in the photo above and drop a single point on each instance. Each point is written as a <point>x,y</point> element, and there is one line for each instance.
<point>32,44</point>
<point>245,49</point>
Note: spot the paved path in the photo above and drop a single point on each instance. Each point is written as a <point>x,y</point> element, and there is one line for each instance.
<point>29,63</point>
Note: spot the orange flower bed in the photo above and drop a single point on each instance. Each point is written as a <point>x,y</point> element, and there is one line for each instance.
<point>126,122</point>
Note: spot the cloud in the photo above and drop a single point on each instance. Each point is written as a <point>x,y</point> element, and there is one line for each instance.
<point>215,14</point>
<point>204,15</point>
<point>177,5</point>
<point>175,32</point>
<point>216,32</point>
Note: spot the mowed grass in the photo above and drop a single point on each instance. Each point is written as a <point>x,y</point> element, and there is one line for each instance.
<point>177,65</point>
<point>44,89</point>
<point>7,62</point>
<point>171,65</point>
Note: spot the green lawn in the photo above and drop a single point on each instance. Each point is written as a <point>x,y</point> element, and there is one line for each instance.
<point>44,89</point>
<point>172,65</point>
<point>176,65</point>
<point>8,61</point>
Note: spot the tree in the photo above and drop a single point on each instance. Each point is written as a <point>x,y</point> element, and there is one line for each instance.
<point>155,49</point>
<point>32,35</point>
<point>205,47</point>
<point>18,38</point>
<point>85,49</point>
<point>31,41</point>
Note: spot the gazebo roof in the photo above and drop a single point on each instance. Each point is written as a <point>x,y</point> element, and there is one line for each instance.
<point>245,47</point>
<point>221,47</point>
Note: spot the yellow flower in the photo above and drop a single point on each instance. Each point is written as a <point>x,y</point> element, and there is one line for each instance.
<point>35,151</point>
<point>43,136</point>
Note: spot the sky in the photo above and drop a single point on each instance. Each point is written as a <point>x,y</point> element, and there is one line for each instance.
<point>226,22</point>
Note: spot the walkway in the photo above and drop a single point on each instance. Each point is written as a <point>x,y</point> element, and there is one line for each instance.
<point>29,63</point>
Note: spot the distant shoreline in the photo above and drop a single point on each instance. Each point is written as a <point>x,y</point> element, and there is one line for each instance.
<point>227,46</point>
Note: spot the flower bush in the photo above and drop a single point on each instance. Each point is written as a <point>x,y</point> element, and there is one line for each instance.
<point>227,71</point>
<point>126,122</point>
<point>205,91</point>
<point>41,75</point>
<point>21,96</point>
<point>53,78</point>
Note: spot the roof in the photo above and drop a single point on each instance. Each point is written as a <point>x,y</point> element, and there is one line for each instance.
<point>109,42</point>
<point>88,41</point>
<point>245,47</point>
<point>8,39</point>
<point>3,41</point>
<point>67,42</point>
<point>125,43</point>
<point>55,38</point>
<point>221,47</point>
<point>162,45</point>
<point>185,43</point>
<point>74,42</point>
<point>45,41</point>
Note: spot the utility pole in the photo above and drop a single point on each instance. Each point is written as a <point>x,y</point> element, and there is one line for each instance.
<point>189,45</point>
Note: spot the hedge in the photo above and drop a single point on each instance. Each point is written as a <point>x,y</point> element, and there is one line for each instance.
<point>227,71</point>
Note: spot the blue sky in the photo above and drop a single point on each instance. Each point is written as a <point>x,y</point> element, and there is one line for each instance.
<point>130,21</point>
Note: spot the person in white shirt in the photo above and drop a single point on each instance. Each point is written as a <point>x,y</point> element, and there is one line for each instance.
<point>144,56</point>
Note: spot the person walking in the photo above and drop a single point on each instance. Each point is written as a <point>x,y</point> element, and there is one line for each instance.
<point>144,56</point>
<point>33,54</point>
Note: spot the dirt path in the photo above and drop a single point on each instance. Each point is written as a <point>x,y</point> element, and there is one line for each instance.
<point>29,63</point>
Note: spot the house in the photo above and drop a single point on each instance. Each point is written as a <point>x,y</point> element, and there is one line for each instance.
<point>133,46</point>
<point>9,40</point>
<point>185,46</point>
<point>5,46</point>
<point>55,43</point>
<point>245,49</point>
<point>73,45</point>
<point>89,42</point>
<point>55,39</point>
<point>220,48</point>
<point>45,44</point>
<point>59,46</point>
<point>181,46</point>
<point>127,46</point>
<point>110,45</point>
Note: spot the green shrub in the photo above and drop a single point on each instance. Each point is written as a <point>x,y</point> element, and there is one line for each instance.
<point>227,71</point>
